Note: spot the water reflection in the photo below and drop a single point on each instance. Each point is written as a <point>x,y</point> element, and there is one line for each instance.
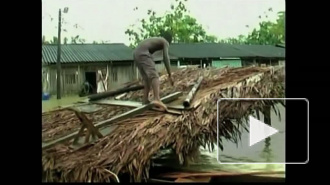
<point>267,151</point>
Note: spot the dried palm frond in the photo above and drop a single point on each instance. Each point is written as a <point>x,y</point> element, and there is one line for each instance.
<point>131,146</point>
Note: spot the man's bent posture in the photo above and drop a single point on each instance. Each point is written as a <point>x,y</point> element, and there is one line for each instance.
<point>145,64</point>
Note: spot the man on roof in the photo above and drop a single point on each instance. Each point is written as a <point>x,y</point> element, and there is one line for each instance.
<point>144,62</point>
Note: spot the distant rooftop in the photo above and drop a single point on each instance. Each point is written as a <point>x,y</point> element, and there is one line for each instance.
<point>218,50</point>
<point>72,53</point>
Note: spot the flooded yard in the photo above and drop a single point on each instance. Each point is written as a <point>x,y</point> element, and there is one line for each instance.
<point>53,103</point>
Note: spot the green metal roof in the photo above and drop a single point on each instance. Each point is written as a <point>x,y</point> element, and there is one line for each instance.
<point>205,50</point>
<point>218,50</point>
<point>158,56</point>
<point>72,53</point>
<point>266,51</point>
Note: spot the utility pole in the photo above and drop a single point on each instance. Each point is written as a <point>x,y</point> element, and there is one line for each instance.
<point>66,9</point>
<point>59,57</point>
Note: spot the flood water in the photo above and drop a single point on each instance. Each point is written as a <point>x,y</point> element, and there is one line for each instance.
<point>53,103</point>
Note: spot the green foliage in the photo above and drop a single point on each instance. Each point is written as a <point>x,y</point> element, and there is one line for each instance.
<point>268,33</point>
<point>182,26</point>
<point>185,28</point>
<point>44,41</point>
<point>77,40</point>
<point>74,40</point>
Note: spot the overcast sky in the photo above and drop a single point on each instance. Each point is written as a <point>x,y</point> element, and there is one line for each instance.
<point>108,19</point>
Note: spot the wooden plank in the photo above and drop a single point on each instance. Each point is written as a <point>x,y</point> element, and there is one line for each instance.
<point>167,111</point>
<point>119,103</point>
<point>194,179</point>
<point>104,123</point>
<point>137,110</point>
<point>133,104</point>
<point>99,96</point>
<point>104,131</point>
<point>120,96</point>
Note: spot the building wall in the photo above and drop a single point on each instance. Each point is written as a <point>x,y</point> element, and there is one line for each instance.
<point>264,61</point>
<point>184,62</point>
<point>45,80</point>
<point>246,62</point>
<point>267,62</point>
<point>227,62</point>
<point>70,80</point>
<point>73,76</point>
<point>120,74</point>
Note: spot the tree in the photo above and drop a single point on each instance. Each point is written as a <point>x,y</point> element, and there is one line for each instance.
<point>268,33</point>
<point>182,26</point>
<point>65,40</point>
<point>77,40</point>
<point>74,40</point>
<point>44,41</point>
<point>241,39</point>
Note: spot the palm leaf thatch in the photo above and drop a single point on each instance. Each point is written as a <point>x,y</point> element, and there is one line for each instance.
<point>131,146</point>
<point>56,124</point>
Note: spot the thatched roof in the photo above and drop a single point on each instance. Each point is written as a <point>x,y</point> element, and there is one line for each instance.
<point>59,123</point>
<point>130,147</point>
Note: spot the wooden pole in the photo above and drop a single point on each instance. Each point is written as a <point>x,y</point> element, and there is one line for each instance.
<point>99,96</point>
<point>59,56</point>
<point>108,79</point>
<point>79,81</point>
<point>192,93</point>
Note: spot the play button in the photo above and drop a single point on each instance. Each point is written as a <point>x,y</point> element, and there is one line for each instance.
<point>259,131</point>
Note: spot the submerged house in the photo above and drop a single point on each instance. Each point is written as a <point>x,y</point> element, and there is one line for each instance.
<point>81,62</point>
<point>221,55</point>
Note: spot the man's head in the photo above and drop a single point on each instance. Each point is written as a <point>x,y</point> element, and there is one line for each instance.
<point>166,35</point>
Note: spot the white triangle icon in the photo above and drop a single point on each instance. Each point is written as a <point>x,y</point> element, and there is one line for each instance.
<point>259,131</point>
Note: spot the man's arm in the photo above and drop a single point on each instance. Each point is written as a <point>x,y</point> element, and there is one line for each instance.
<point>166,58</point>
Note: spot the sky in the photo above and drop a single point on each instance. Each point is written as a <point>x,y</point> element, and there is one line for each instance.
<point>108,20</point>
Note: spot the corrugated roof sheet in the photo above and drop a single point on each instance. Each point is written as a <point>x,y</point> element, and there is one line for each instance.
<point>217,50</point>
<point>87,53</point>
<point>205,50</point>
<point>119,52</point>
<point>267,51</point>
<point>158,56</point>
